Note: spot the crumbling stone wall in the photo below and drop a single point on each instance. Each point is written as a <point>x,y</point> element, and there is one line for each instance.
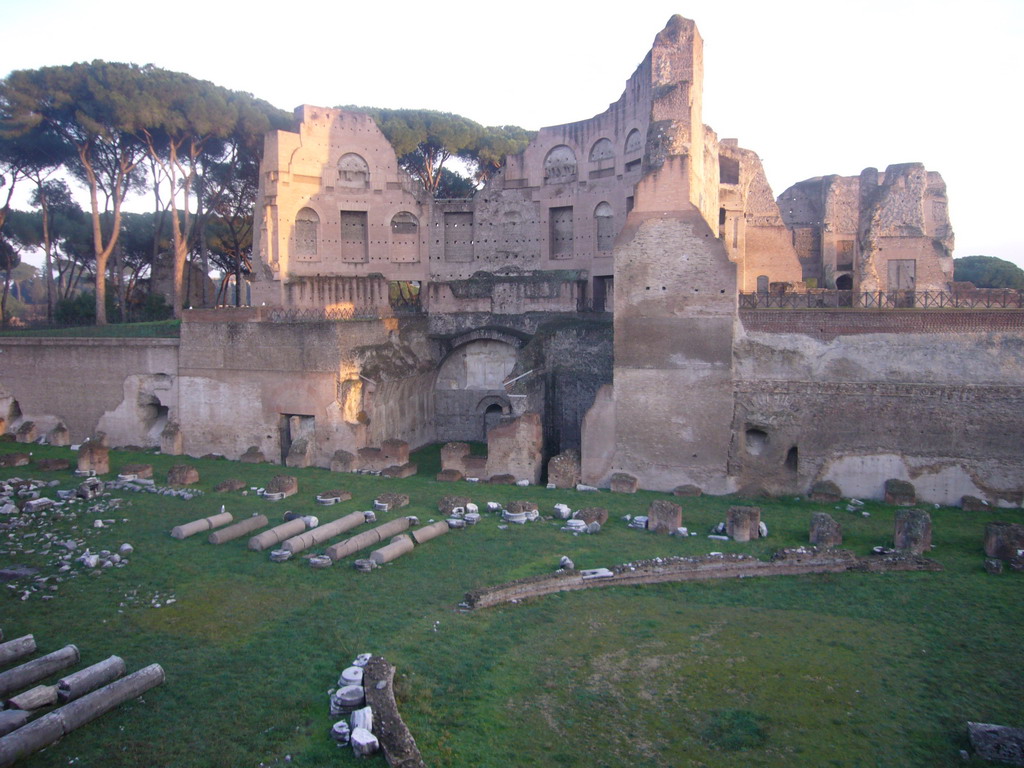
<point>938,404</point>
<point>882,231</point>
<point>132,386</point>
<point>339,385</point>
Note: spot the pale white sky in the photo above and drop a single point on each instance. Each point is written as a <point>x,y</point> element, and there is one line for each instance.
<point>813,87</point>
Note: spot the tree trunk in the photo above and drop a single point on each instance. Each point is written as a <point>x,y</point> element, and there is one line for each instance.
<point>47,250</point>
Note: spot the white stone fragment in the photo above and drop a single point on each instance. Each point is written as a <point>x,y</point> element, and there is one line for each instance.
<point>362,718</point>
<point>351,676</point>
<point>596,573</point>
<point>364,743</point>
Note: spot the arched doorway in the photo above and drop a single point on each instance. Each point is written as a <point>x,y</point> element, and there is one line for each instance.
<point>469,394</point>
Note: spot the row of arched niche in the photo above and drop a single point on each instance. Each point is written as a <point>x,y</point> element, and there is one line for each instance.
<point>560,163</point>
<point>405,228</point>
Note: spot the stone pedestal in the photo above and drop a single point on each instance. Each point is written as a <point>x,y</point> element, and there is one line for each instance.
<point>564,470</point>
<point>1003,540</point>
<point>286,484</point>
<point>182,474</point>
<point>342,461</point>
<point>664,516</point>
<point>252,455</point>
<point>622,482</point>
<point>93,456</point>
<point>825,531</point>
<point>900,492</point>
<point>743,523</point>
<point>825,492</point>
<point>912,531</point>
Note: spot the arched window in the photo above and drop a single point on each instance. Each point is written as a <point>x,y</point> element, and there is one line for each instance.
<point>633,143</point>
<point>405,237</point>
<point>307,233</point>
<point>353,172</point>
<point>605,218</point>
<point>560,165</point>
<point>602,150</point>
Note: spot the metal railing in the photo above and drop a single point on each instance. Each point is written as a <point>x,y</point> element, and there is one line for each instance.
<point>341,314</point>
<point>994,298</point>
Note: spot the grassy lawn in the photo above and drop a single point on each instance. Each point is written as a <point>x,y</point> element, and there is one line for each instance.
<point>830,670</point>
<point>155,329</point>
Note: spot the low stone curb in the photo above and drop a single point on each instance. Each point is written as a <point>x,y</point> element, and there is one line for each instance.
<point>787,562</point>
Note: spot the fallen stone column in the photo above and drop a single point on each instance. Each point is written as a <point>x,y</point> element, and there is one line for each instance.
<point>198,526</point>
<point>239,529</point>
<point>33,698</point>
<point>18,648</point>
<point>368,538</point>
<point>76,685</point>
<point>398,547</point>
<point>54,725</point>
<point>428,532</point>
<point>33,671</point>
<point>12,720</point>
<point>277,534</point>
<point>323,532</point>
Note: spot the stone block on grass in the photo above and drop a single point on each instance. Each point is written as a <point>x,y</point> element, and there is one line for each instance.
<point>912,531</point>
<point>252,455</point>
<point>342,461</point>
<point>286,484</point>
<point>564,469</point>
<point>182,474</point>
<point>687,490</point>
<point>1003,540</point>
<point>743,523</point>
<point>622,482</point>
<point>825,492</point>
<point>664,516</point>
<point>825,531</point>
<point>900,492</point>
<point>400,470</point>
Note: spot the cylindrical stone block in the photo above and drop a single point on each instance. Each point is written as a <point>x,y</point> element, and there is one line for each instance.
<point>33,671</point>
<point>432,531</point>
<point>239,529</point>
<point>76,685</point>
<point>368,538</point>
<point>277,534</point>
<point>16,649</point>
<point>398,547</point>
<point>324,532</point>
<point>198,526</point>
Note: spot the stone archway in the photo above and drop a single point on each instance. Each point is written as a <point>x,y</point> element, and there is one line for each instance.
<point>470,382</point>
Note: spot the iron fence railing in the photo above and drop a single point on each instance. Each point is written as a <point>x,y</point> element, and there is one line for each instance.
<point>341,314</point>
<point>826,299</point>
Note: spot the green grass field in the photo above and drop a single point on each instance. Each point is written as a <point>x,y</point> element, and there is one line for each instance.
<point>831,670</point>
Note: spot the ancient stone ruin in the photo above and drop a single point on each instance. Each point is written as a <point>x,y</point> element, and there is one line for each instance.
<point>628,287</point>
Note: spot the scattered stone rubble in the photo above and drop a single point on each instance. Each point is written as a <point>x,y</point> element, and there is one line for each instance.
<point>62,538</point>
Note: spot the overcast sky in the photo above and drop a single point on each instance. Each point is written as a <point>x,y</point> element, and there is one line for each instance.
<point>813,87</point>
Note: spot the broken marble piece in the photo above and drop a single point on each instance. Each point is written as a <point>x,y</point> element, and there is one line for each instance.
<point>364,743</point>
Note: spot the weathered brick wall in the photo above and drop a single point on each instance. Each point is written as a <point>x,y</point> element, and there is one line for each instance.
<point>117,385</point>
<point>825,324</point>
<point>858,397</point>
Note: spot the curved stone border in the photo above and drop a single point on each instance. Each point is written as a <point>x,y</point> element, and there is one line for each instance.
<point>395,739</point>
<point>785,562</point>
